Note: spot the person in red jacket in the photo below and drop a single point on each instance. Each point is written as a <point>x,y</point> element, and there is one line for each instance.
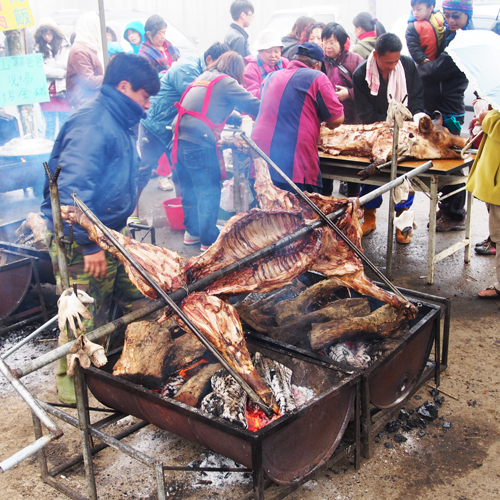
<point>267,61</point>
<point>425,31</point>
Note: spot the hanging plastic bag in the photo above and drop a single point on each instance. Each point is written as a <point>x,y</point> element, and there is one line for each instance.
<point>227,195</point>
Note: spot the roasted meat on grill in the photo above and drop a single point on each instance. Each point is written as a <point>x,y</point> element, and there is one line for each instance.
<point>247,233</point>
<point>220,324</point>
<point>336,260</point>
<point>427,141</point>
<point>165,266</point>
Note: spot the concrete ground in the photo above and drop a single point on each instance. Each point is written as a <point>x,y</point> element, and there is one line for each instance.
<point>460,462</point>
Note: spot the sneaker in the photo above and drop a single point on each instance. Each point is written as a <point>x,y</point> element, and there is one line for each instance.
<point>204,248</point>
<point>489,248</point>
<point>189,239</point>
<point>343,188</point>
<point>445,224</point>
<point>165,183</point>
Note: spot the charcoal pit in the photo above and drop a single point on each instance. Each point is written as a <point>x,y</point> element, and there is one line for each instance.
<point>286,450</point>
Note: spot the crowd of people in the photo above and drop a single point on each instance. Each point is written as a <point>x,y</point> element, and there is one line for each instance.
<point>314,75</point>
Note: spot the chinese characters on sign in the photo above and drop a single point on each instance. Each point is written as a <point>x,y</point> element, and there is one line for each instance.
<point>22,80</point>
<point>15,14</point>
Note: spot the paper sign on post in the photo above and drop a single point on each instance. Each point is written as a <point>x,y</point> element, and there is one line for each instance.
<point>22,80</point>
<point>15,14</point>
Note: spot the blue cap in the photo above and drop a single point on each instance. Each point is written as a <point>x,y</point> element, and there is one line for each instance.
<point>312,50</point>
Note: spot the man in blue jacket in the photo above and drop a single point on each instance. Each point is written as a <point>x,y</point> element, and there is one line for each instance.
<point>154,137</point>
<point>97,152</point>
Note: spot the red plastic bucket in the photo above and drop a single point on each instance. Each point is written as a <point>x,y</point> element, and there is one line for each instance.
<point>175,215</point>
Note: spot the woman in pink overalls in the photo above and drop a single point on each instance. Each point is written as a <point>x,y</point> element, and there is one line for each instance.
<point>203,111</point>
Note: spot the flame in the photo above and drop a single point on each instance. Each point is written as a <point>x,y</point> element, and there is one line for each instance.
<point>187,369</point>
<point>256,418</point>
<point>23,160</point>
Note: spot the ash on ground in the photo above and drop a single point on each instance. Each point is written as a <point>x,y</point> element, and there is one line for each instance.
<point>219,479</point>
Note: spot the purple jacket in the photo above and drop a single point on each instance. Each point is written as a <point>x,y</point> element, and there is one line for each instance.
<point>350,61</point>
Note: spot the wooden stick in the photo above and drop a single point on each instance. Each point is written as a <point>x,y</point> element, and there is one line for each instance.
<point>445,393</point>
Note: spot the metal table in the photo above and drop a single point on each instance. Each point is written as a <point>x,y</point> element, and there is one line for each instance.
<point>442,173</point>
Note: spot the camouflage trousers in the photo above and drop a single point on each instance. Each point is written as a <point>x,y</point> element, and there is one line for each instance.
<point>115,286</point>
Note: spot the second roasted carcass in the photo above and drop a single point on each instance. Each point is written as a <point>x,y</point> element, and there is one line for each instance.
<point>428,140</point>
<point>335,260</point>
<point>220,324</point>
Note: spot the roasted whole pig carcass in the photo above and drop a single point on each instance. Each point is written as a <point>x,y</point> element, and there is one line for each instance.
<point>428,140</point>
<point>165,266</point>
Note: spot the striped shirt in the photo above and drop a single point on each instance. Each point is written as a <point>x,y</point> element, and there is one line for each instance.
<point>295,101</point>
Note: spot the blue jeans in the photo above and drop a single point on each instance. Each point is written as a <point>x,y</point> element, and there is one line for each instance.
<point>199,177</point>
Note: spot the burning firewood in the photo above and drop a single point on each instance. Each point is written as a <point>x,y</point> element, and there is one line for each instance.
<point>150,355</point>
<point>198,386</point>
<point>382,323</point>
<point>279,379</point>
<point>228,400</point>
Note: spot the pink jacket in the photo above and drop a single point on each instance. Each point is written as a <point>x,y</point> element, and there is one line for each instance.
<point>253,76</point>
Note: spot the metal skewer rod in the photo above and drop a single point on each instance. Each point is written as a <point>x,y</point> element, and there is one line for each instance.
<point>245,386</point>
<point>322,216</point>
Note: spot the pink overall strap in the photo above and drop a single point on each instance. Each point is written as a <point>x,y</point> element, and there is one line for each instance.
<point>201,116</point>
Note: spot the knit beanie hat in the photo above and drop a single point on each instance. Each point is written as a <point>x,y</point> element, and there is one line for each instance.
<point>460,5</point>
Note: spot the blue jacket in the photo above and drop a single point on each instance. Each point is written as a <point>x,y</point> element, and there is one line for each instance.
<point>96,150</point>
<point>173,85</point>
<point>139,27</point>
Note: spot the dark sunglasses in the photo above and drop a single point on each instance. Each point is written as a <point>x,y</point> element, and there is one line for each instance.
<point>455,15</point>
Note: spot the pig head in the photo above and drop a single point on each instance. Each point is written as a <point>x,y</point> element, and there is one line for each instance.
<point>434,140</point>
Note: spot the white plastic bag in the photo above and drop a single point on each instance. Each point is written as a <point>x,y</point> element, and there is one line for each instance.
<point>227,195</point>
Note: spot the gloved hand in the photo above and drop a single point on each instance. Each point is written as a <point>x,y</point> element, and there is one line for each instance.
<point>86,352</point>
<point>418,116</point>
<point>72,307</point>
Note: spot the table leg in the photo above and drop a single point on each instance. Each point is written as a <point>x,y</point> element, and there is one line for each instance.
<point>468,248</point>
<point>432,230</point>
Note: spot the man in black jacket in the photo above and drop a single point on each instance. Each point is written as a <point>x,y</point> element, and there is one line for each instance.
<point>237,38</point>
<point>386,73</point>
<point>96,149</point>
<point>371,104</point>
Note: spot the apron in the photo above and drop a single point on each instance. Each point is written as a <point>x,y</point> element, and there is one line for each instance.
<point>215,128</point>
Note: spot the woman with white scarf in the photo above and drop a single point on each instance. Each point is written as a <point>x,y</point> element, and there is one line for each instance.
<point>85,65</point>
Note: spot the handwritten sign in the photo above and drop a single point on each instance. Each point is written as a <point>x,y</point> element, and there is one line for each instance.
<point>15,14</point>
<point>22,80</point>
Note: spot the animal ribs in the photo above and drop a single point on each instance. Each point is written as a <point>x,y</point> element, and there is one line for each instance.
<point>247,233</point>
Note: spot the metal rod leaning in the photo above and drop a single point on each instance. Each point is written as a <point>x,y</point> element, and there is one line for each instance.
<point>322,216</point>
<point>245,386</point>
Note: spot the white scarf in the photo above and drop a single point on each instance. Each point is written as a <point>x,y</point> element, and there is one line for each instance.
<point>396,86</point>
